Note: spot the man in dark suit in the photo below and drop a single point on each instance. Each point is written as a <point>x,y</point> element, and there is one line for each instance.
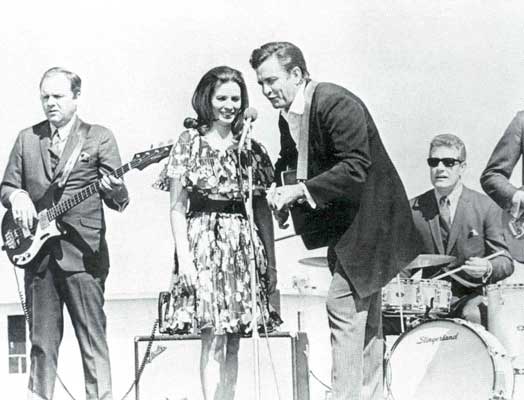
<point>461,222</point>
<point>71,269</point>
<point>496,184</point>
<point>353,183</point>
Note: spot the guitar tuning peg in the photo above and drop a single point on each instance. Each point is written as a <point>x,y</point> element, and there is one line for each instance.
<point>151,146</point>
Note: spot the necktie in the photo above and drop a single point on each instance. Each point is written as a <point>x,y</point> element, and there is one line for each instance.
<point>445,219</point>
<point>54,150</point>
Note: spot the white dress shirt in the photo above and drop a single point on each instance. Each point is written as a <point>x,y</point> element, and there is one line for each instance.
<point>453,198</point>
<point>293,117</point>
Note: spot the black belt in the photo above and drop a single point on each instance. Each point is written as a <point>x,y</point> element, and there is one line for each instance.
<point>221,206</point>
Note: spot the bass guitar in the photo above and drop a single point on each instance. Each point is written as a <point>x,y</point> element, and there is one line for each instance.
<point>22,245</point>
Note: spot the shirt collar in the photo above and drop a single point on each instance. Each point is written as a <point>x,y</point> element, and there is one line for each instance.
<point>64,131</point>
<point>454,196</point>
<point>298,104</point>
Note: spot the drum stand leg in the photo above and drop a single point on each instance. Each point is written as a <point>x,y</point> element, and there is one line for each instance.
<point>399,283</point>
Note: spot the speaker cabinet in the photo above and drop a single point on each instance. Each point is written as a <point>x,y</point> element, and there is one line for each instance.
<point>172,370</point>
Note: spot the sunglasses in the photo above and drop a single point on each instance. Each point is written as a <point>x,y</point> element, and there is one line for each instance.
<point>447,161</point>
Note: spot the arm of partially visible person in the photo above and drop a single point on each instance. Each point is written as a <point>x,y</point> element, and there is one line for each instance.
<point>264,223</point>
<point>11,189</point>
<point>495,178</point>
<point>114,191</point>
<point>177,213</point>
<point>498,267</point>
<point>346,125</point>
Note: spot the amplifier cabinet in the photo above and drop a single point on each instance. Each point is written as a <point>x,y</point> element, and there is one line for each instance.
<point>172,370</point>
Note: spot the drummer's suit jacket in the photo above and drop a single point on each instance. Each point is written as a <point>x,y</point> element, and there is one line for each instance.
<point>476,231</point>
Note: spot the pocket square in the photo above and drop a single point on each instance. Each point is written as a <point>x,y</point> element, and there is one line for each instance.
<point>473,233</point>
<point>84,157</point>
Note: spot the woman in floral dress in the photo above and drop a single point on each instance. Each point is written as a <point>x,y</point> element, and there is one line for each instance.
<point>213,243</point>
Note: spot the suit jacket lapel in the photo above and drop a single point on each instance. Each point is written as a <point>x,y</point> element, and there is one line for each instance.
<point>45,143</point>
<point>72,140</point>
<point>458,220</point>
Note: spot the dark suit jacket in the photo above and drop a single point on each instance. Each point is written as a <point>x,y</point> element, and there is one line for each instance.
<point>29,168</point>
<point>476,231</point>
<point>350,171</point>
<point>495,178</point>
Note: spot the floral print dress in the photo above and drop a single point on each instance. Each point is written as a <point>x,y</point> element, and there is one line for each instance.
<point>219,238</point>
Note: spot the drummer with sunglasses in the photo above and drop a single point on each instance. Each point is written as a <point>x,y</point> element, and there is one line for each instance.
<point>455,220</point>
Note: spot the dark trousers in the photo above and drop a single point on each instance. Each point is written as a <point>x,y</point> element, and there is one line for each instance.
<point>83,294</point>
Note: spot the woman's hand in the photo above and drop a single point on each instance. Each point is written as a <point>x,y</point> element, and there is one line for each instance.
<point>187,273</point>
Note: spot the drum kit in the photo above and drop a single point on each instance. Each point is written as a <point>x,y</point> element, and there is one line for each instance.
<point>440,358</point>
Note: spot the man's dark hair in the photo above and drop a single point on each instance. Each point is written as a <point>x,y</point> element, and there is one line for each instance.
<point>289,56</point>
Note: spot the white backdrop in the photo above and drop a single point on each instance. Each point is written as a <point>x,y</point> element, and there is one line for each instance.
<point>421,67</point>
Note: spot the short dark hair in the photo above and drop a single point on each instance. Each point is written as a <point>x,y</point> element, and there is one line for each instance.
<point>449,140</point>
<point>76,82</point>
<point>289,56</point>
<point>206,88</point>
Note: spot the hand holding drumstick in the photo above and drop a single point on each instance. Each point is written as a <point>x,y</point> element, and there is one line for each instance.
<point>475,266</point>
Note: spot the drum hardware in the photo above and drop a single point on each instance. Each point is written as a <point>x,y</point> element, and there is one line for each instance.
<point>428,308</point>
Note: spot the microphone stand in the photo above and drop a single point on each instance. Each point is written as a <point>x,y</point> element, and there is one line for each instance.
<point>252,267</point>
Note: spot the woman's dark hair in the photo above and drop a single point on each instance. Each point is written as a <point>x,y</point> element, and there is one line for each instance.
<point>204,93</point>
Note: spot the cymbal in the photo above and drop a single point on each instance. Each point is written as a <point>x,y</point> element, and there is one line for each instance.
<point>430,260</point>
<point>314,261</point>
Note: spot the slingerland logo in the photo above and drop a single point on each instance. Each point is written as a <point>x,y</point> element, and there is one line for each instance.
<point>436,339</point>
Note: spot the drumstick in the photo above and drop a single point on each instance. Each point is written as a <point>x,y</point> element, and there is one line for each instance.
<point>448,273</point>
<point>498,253</point>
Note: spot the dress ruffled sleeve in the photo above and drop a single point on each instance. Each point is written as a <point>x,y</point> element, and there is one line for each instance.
<point>178,161</point>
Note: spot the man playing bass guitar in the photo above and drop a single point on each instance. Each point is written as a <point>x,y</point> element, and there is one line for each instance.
<point>72,268</point>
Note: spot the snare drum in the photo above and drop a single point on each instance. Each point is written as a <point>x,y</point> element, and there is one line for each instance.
<point>415,295</point>
<point>506,318</point>
<point>448,359</point>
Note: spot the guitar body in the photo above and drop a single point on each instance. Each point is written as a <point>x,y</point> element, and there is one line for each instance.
<point>317,227</point>
<point>514,235</point>
<point>22,246</point>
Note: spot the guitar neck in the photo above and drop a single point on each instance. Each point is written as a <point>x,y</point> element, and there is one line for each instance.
<point>65,205</point>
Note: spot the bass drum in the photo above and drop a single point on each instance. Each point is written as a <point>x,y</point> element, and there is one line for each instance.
<point>506,318</point>
<point>448,359</point>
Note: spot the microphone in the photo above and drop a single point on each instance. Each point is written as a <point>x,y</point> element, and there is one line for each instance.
<point>250,115</point>
<point>190,123</point>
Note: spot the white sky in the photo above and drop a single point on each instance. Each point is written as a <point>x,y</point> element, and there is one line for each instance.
<point>422,68</point>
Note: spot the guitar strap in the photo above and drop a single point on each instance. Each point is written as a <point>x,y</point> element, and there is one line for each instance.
<point>82,133</point>
<point>303,138</point>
